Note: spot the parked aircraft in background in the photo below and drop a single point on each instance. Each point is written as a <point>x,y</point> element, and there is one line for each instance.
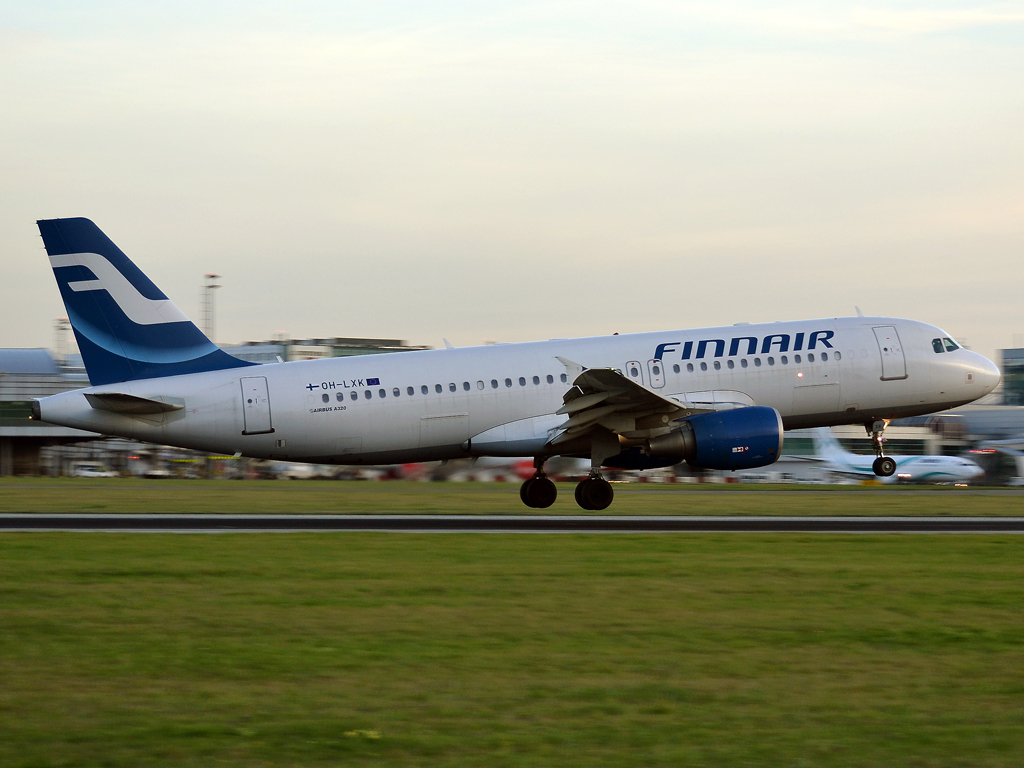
<point>911,469</point>
<point>718,398</point>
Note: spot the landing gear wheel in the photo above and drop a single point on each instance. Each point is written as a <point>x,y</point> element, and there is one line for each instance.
<point>524,491</point>
<point>594,493</point>
<point>884,466</point>
<point>538,493</point>
<point>542,493</point>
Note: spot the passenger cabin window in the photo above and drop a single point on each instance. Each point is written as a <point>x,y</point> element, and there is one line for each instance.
<point>494,383</point>
<point>718,366</point>
<point>757,362</point>
<point>522,381</point>
<point>771,361</point>
<point>564,378</point>
<point>810,357</point>
<point>353,395</point>
<point>743,363</point>
<point>689,367</point>
<point>465,385</point>
<point>368,395</point>
<point>633,371</point>
<point>382,393</point>
<point>796,359</point>
<point>950,344</point>
<point>437,388</point>
<point>536,379</point>
<point>824,357</point>
<point>675,368</point>
<point>550,379</point>
<point>656,370</point>
<point>396,392</point>
<point>451,386</point>
<point>703,366</point>
<point>326,398</point>
<point>784,360</point>
<point>410,391</point>
<point>340,396</point>
<point>838,356</point>
<point>423,389</point>
<point>937,346</point>
<point>730,365</point>
<point>508,382</point>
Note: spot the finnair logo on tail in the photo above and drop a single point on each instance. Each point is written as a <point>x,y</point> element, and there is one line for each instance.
<point>137,307</point>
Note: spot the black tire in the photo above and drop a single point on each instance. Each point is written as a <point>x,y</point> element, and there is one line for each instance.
<point>524,491</point>
<point>541,493</point>
<point>581,498</point>
<point>598,494</point>
<point>886,466</point>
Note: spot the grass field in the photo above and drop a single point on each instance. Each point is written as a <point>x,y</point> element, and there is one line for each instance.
<point>511,650</point>
<point>326,497</point>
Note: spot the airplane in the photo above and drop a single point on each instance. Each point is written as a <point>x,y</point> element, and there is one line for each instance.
<point>911,469</point>
<point>717,398</point>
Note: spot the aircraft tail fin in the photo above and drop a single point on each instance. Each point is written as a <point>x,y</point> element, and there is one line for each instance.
<point>826,445</point>
<point>126,327</point>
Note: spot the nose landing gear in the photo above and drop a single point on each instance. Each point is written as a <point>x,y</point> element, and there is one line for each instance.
<point>538,492</point>
<point>883,466</point>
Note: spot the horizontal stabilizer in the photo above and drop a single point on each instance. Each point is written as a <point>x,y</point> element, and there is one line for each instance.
<point>130,405</point>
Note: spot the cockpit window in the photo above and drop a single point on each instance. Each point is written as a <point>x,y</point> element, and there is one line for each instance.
<point>950,344</point>
<point>937,345</point>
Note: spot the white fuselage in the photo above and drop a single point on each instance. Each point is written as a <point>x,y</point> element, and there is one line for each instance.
<point>501,399</point>
<point>909,469</point>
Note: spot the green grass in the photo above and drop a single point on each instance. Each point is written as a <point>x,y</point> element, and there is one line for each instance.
<point>335,497</point>
<point>505,650</point>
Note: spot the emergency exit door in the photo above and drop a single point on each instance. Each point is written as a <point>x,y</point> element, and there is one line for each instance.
<point>656,371</point>
<point>894,364</point>
<point>635,372</point>
<point>256,406</point>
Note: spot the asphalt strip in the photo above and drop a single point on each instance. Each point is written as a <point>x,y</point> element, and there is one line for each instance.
<point>131,523</point>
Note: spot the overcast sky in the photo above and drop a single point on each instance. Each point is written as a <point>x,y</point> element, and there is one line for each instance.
<point>522,171</point>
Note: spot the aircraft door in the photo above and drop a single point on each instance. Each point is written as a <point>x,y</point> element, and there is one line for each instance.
<point>656,371</point>
<point>894,364</point>
<point>256,406</point>
<point>635,372</point>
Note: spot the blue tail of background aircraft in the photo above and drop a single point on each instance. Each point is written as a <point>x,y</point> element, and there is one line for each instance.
<point>126,327</point>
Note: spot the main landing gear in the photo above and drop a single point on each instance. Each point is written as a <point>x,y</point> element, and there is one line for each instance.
<point>595,493</point>
<point>883,466</point>
<point>538,492</point>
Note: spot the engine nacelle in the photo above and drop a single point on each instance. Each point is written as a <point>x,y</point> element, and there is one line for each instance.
<point>742,438</point>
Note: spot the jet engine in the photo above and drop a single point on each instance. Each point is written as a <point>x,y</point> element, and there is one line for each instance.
<point>742,438</point>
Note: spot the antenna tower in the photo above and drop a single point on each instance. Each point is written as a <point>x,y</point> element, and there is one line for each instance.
<point>210,284</point>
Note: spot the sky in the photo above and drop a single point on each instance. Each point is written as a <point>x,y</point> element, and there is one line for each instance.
<point>511,172</point>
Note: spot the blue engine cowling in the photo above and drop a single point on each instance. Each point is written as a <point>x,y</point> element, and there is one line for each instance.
<point>742,438</point>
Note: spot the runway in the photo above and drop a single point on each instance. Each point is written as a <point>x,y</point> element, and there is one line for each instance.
<point>503,524</point>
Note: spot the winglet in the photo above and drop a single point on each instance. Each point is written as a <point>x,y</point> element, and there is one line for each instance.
<point>859,313</point>
<point>447,344</point>
<point>572,369</point>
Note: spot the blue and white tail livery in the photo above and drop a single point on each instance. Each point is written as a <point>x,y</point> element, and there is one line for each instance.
<point>716,398</point>
<point>126,327</point>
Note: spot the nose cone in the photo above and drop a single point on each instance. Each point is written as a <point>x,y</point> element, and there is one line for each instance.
<point>986,374</point>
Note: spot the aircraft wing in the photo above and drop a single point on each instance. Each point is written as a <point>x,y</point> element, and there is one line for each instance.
<point>602,398</point>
